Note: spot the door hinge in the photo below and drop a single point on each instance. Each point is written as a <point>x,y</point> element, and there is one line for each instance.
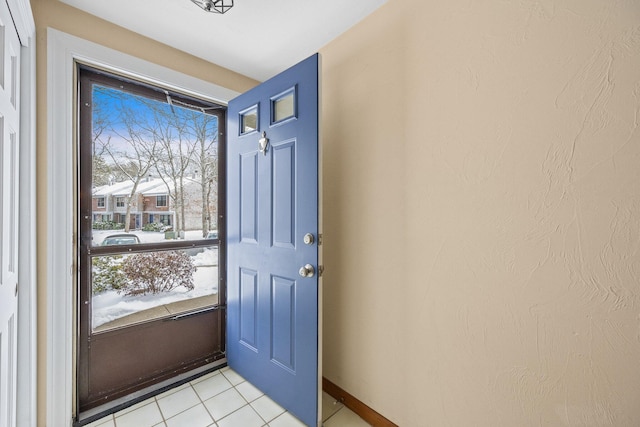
<point>319,239</point>
<point>320,270</point>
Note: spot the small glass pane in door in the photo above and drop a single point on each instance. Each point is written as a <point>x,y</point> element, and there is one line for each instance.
<point>283,106</point>
<point>249,120</point>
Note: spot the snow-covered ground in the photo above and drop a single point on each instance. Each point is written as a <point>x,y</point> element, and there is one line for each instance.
<point>110,305</point>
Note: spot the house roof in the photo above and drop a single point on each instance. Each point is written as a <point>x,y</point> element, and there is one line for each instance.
<point>152,187</point>
<point>107,190</point>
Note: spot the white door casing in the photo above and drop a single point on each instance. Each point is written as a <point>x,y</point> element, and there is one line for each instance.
<point>63,50</point>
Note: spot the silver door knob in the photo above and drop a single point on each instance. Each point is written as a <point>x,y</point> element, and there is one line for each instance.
<point>307,271</point>
<point>308,239</point>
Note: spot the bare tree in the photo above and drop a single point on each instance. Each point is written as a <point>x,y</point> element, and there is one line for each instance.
<point>100,169</point>
<point>167,125</point>
<point>204,128</point>
<point>135,152</point>
<point>143,134</point>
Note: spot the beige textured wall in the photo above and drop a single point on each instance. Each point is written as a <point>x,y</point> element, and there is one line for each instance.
<point>482,212</point>
<point>52,13</point>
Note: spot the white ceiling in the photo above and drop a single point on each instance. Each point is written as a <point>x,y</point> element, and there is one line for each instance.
<point>257,38</point>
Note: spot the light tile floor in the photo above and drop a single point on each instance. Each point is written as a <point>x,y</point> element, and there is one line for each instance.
<point>221,399</point>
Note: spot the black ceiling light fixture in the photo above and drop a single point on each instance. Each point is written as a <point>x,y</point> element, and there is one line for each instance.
<point>214,6</point>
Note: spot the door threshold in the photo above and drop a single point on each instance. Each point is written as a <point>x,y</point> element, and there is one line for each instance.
<point>121,403</point>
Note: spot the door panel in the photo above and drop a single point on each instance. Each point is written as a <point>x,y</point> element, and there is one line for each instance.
<point>272,311</point>
<point>248,308</point>
<point>284,196</point>
<point>182,344</point>
<point>249,197</point>
<point>283,308</point>
<point>9,190</point>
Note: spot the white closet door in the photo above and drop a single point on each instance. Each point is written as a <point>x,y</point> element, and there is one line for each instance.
<point>9,190</point>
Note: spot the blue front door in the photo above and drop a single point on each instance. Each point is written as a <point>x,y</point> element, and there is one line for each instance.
<point>272,238</point>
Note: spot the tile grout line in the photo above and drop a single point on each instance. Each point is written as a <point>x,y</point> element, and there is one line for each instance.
<point>332,415</point>
<point>165,419</point>
<point>215,423</point>
<point>234,386</point>
<point>247,403</point>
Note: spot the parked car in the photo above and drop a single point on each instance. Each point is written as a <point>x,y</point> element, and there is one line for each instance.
<point>121,239</point>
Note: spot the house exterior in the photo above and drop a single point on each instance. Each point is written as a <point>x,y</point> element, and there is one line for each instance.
<point>155,207</point>
<point>153,202</point>
<point>107,201</point>
<point>480,168</point>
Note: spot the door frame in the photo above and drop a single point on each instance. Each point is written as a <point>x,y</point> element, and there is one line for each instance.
<point>63,50</point>
<point>197,340</point>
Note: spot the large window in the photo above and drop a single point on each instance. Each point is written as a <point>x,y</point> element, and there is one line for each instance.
<point>161,201</point>
<point>100,202</point>
<point>120,202</point>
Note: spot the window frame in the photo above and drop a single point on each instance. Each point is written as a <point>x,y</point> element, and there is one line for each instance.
<point>168,218</point>
<point>166,201</point>
<point>88,77</point>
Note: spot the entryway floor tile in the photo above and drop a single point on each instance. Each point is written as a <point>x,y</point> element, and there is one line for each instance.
<point>103,422</point>
<point>267,408</point>
<point>221,399</point>
<point>248,391</point>
<point>178,402</point>
<point>286,420</point>
<point>232,376</point>
<point>145,416</point>
<point>194,417</point>
<point>329,406</point>
<point>212,386</point>
<point>245,417</point>
<point>345,418</point>
<point>225,403</point>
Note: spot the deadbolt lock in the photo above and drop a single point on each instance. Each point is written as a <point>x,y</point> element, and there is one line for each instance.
<point>308,239</point>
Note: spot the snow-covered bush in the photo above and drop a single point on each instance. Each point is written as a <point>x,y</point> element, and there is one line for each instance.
<point>156,272</point>
<point>153,226</point>
<point>156,226</point>
<point>107,225</point>
<point>107,274</point>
